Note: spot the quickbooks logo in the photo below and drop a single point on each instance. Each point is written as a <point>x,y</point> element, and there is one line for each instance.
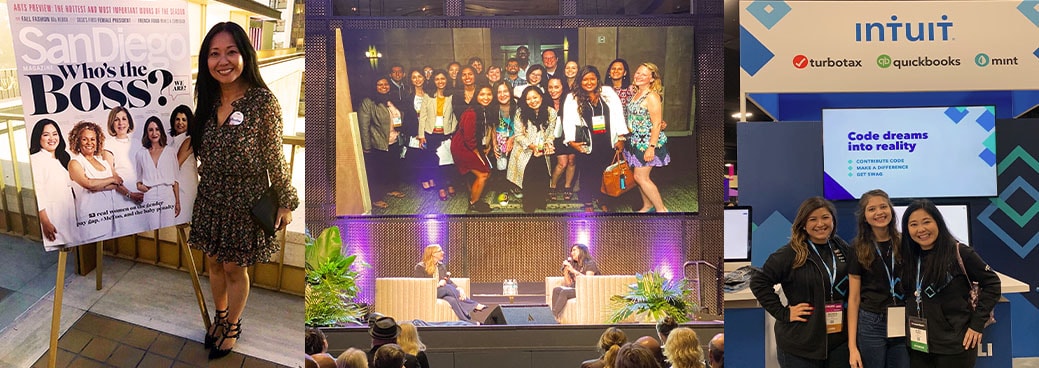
<point>884,61</point>
<point>911,31</point>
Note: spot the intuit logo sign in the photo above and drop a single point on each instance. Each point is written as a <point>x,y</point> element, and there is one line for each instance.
<point>897,31</point>
<point>802,62</point>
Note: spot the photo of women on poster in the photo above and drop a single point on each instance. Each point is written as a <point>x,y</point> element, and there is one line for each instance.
<point>549,62</point>
<point>103,163</point>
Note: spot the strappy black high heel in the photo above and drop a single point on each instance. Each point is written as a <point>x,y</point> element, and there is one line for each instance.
<point>231,331</point>
<point>218,319</point>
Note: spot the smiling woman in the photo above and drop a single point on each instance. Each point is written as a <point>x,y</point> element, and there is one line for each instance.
<point>813,269</point>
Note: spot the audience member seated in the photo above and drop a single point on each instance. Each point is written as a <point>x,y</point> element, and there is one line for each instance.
<point>309,362</point>
<point>389,356</point>
<point>316,346</point>
<point>324,360</point>
<point>716,351</point>
<point>651,343</point>
<point>611,337</point>
<point>664,327</point>
<point>384,331</point>
<point>683,349</point>
<point>412,344</point>
<point>634,356</point>
<point>352,358</point>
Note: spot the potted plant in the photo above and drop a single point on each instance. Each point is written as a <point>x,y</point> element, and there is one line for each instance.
<point>331,286</point>
<point>652,297</point>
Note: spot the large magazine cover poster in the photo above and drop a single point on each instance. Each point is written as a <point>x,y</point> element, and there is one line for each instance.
<point>107,96</point>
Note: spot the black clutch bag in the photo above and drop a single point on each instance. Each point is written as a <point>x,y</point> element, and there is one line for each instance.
<point>265,211</point>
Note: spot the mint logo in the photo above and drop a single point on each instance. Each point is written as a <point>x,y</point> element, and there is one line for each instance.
<point>982,59</point>
<point>883,61</point>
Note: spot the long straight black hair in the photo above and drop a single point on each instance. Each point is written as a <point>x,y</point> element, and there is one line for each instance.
<point>937,265</point>
<point>59,152</point>
<point>207,89</point>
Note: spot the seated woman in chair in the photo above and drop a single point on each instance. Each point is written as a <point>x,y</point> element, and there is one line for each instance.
<point>579,263</point>
<point>432,265</point>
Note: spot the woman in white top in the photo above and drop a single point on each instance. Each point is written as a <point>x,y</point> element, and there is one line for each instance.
<point>436,124</point>
<point>156,167</point>
<point>594,126</point>
<point>50,162</point>
<point>120,128</point>
<point>187,173</point>
<point>97,185</point>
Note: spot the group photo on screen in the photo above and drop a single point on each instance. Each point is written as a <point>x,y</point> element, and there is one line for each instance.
<point>500,121</point>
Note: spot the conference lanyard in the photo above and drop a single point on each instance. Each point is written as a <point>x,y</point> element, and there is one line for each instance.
<point>890,279</point>
<point>919,285</point>
<point>833,261</point>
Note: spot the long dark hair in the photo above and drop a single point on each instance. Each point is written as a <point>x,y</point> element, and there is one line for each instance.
<point>59,152</point>
<point>207,89</point>
<point>863,242</point>
<point>540,116</point>
<point>486,121</point>
<point>582,96</point>
<point>586,255</point>
<point>798,237</point>
<point>942,254</point>
<point>448,89</point>
<point>147,143</point>
<point>410,88</point>
<point>626,79</point>
<point>182,109</point>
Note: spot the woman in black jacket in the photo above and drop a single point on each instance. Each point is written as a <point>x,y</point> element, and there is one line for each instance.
<point>941,291</point>
<point>813,270</point>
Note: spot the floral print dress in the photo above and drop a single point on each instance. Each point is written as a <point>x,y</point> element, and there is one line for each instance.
<point>638,142</point>
<point>236,161</point>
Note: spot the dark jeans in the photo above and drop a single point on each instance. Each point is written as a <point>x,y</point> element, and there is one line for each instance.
<point>381,180</point>
<point>966,359</point>
<point>559,297</point>
<point>462,308</point>
<point>875,348</point>
<point>837,358</point>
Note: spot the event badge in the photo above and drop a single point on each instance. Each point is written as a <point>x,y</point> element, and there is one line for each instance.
<point>236,118</point>
<point>599,124</point>
<point>396,122</point>
<point>918,334</point>
<point>438,125</point>
<point>834,317</point>
<point>896,317</point>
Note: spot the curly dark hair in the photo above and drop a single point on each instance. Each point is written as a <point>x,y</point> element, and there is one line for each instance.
<point>81,126</point>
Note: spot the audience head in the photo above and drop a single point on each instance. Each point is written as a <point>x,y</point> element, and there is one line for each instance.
<point>324,360</point>
<point>409,339</point>
<point>388,356</point>
<point>315,341</point>
<point>612,336</point>
<point>634,356</point>
<point>716,351</point>
<point>384,330</point>
<point>665,326</point>
<point>352,358</point>
<point>651,343</point>
<point>683,349</point>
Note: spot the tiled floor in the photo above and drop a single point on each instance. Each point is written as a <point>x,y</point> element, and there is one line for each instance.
<point>99,341</point>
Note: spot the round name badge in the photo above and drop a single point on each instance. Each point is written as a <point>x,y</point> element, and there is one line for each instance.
<point>236,118</point>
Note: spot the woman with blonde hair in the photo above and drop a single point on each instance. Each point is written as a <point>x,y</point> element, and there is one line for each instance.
<point>352,358</point>
<point>613,338</point>
<point>410,342</point>
<point>645,146</point>
<point>432,265</point>
<point>683,349</point>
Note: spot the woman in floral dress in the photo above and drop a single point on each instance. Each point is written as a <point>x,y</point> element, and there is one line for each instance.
<point>238,140</point>
<point>646,147</point>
